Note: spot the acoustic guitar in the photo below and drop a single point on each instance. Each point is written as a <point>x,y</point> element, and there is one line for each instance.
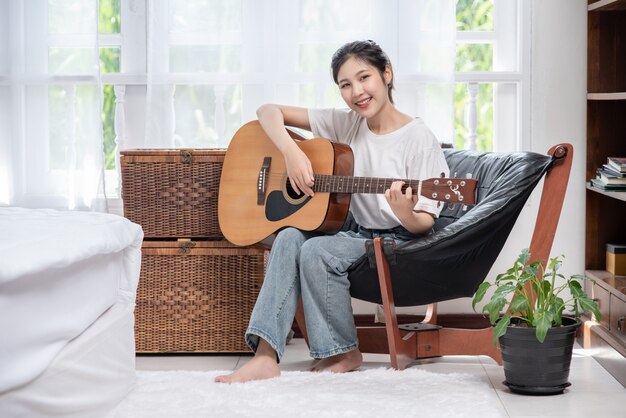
<point>256,198</point>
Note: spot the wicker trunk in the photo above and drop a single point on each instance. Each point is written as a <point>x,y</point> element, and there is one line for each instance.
<point>196,296</point>
<point>172,193</point>
<point>193,296</point>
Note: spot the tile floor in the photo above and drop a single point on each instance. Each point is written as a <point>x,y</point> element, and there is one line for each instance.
<point>594,392</point>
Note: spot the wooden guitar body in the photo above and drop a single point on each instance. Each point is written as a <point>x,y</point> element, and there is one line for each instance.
<point>256,198</point>
<point>245,220</point>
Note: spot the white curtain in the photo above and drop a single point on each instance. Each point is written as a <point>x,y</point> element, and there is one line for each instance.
<point>51,148</point>
<point>211,63</point>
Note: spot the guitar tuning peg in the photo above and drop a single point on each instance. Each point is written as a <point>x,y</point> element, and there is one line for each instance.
<point>442,175</point>
<point>454,174</point>
<point>464,208</point>
<point>468,176</point>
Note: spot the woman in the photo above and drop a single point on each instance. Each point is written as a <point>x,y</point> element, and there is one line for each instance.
<point>385,143</point>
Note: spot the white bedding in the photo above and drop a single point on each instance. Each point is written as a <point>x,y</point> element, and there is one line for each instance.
<point>88,378</point>
<point>59,271</point>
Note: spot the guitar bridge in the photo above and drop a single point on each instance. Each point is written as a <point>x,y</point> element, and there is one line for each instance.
<point>262,181</point>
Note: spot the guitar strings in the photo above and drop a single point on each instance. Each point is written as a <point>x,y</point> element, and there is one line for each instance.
<point>336,179</point>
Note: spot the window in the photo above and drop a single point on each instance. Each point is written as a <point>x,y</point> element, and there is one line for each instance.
<point>206,65</point>
<point>492,83</point>
<point>216,73</point>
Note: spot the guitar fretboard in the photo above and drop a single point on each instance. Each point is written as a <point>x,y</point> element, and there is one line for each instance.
<point>349,184</point>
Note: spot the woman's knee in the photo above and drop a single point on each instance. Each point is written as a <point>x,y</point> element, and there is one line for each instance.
<point>315,250</point>
<point>289,236</point>
<point>326,252</point>
<point>314,245</point>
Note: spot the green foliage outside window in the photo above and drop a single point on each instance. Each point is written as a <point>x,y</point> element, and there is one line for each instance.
<point>474,15</point>
<point>109,16</point>
<point>108,114</point>
<point>484,109</point>
<point>109,22</point>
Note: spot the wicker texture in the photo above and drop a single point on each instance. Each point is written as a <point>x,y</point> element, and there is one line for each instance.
<point>172,193</point>
<point>197,299</point>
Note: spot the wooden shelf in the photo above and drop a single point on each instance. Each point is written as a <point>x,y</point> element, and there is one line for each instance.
<point>605,348</point>
<point>616,284</point>
<point>606,96</point>
<point>614,195</point>
<point>604,210</point>
<point>603,5</point>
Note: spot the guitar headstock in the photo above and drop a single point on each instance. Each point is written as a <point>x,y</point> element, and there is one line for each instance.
<point>450,190</point>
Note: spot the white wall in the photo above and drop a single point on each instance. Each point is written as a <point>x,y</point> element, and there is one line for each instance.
<point>559,90</point>
<point>557,114</point>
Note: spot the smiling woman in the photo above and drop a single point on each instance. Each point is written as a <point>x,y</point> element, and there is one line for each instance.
<point>386,143</point>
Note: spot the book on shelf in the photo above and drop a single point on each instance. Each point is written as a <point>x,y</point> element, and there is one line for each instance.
<point>609,177</point>
<point>610,170</point>
<point>617,163</point>
<point>608,187</point>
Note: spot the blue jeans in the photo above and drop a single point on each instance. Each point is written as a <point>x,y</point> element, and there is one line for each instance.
<point>315,267</point>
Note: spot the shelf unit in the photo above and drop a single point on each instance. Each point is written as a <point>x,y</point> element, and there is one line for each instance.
<point>606,211</point>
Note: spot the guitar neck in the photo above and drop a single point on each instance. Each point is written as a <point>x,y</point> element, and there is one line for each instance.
<point>453,190</point>
<point>349,184</point>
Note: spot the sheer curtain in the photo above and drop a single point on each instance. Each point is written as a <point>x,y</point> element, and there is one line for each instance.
<point>211,63</point>
<point>51,148</point>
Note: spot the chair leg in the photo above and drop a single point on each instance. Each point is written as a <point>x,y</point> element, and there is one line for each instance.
<point>431,314</point>
<point>550,205</point>
<point>301,321</point>
<point>552,196</point>
<point>402,350</point>
<point>468,342</point>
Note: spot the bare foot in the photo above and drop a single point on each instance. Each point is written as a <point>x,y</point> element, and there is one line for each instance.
<point>340,363</point>
<point>262,366</point>
<point>259,368</point>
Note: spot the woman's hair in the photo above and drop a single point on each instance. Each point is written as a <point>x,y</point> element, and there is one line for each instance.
<point>368,51</point>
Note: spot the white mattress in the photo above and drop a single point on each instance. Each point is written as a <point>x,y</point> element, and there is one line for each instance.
<point>88,377</point>
<point>59,272</point>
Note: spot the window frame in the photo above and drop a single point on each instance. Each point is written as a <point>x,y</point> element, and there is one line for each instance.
<point>512,89</point>
<point>132,41</point>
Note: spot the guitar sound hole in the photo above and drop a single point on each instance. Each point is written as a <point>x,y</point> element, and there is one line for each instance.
<point>291,192</point>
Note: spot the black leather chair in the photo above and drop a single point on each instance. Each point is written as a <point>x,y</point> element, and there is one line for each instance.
<point>453,260</point>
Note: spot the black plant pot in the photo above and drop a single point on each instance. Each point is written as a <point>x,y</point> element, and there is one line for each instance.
<point>534,368</point>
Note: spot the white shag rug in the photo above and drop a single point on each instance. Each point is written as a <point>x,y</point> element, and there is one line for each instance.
<point>370,393</point>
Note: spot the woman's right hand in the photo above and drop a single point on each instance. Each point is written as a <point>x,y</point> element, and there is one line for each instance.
<point>299,170</point>
<point>273,119</point>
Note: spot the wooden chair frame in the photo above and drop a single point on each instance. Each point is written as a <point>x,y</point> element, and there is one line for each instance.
<point>431,340</point>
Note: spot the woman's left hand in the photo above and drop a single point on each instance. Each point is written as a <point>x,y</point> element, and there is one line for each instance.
<point>401,204</point>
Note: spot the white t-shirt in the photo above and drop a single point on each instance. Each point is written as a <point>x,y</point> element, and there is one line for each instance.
<point>411,152</point>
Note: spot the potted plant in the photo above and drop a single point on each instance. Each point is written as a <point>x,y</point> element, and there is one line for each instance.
<point>535,336</point>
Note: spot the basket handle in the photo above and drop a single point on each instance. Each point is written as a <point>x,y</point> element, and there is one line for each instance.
<point>185,156</point>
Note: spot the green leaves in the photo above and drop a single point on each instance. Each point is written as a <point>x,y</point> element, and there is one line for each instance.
<point>543,321</point>
<point>523,257</point>
<point>519,304</point>
<point>534,296</point>
<point>500,328</point>
<point>480,294</point>
<point>493,308</point>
